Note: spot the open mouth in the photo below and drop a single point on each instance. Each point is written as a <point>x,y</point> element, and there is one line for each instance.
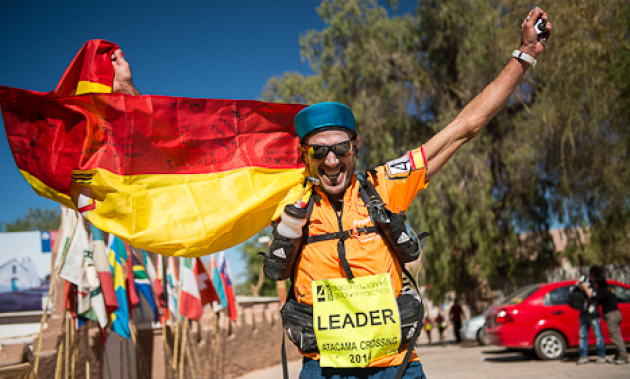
<point>332,174</point>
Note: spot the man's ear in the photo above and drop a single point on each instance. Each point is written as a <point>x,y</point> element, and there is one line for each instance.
<point>357,144</point>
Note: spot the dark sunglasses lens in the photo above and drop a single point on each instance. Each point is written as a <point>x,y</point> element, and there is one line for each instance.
<point>321,151</point>
<point>341,149</point>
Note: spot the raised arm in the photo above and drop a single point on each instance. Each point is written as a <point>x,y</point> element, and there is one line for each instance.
<point>122,75</point>
<point>476,115</point>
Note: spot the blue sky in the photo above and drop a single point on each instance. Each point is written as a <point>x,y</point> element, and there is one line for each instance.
<point>207,49</point>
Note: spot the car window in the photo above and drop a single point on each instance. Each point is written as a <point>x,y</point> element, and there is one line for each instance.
<point>520,295</point>
<point>622,293</point>
<point>559,296</point>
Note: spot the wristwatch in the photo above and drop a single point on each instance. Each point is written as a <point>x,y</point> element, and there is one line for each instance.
<point>521,56</point>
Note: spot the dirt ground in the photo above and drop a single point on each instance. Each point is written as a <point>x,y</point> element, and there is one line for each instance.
<point>449,360</point>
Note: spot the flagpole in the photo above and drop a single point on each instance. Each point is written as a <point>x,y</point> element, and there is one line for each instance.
<point>61,345</point>
<point>193,353</point>
<point>165,343</point>
<point>120,344</point>
<point>177,323</point>
<point>75,351</point>
<point>53,280</point>
<point>206,368</point>
<point>87,352</point>
<point>190,355</point>
<point>161,316</point>
<point>176,343</point>
<point>167,349</point>
<point>67,372</point>
<point>183,349</point>
<point>128,359</point>
<point>216,341</point>
<point>109,368</point>
<point>138,347</point>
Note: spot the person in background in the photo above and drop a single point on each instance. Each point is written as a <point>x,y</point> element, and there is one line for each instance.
<point>589,318</point>
<point>456,315</point>
<point>440,321</point>
<point>602,296</point>
<point>428,324</point>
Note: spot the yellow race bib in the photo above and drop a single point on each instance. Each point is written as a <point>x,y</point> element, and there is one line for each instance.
<point>355,322</point>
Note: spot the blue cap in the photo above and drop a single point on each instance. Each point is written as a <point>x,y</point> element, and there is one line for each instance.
<point>326,115</point>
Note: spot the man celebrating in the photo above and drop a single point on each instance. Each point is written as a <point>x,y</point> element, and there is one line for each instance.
<point>343,255</point>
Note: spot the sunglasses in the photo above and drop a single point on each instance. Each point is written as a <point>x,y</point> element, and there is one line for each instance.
<point>340,149</point>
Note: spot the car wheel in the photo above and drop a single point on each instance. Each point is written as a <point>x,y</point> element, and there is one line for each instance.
<point>550,345</point>
<point>482,337</point>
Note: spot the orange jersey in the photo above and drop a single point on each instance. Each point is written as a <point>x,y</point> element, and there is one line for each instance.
<point>397,182</point>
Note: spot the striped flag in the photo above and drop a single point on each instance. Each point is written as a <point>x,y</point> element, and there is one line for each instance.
<point>217,281</point>
<point>97,311</point>
<point>68,222</point>
<point>161,278</point>
<point>226,278</point>
<point>99,254</point>
<point>132,293</point>
<point>91,71</point>
<point>156,284</point>
<point>190,300</point>
<point>173,287</point>
<point>155,155</point>
<point>72,269</point>
<point>119,320</point>
<point>143,285</point>
<point>206,289</point>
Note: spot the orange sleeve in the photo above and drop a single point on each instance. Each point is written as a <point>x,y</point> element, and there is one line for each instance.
<point>400,180</point>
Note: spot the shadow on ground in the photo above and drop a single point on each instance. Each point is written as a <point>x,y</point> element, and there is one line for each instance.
<point>438,344</point>
<point>503,355</point>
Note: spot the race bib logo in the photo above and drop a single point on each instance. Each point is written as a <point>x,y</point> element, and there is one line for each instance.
<point>323,293</point>
<point>398,168</point>
<point>280,253</point>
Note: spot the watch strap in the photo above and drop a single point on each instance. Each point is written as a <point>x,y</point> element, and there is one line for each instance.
<point>521,56</point>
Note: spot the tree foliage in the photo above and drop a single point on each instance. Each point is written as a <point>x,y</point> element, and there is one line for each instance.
<point>555,153</point>
<point>254,264</point>
<point>34,219</point>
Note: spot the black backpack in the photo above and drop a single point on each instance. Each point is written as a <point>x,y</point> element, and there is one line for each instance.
<point>577,298</point>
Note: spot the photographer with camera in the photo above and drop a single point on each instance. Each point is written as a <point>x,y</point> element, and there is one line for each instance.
<point>589,317</point>
<point>601,295</point>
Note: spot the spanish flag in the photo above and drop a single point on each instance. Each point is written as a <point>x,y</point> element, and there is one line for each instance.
<point>172,175</point>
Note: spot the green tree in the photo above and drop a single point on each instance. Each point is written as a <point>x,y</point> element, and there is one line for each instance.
<point>556,151</point>
<point>256,284</point>
<point>34,219</point>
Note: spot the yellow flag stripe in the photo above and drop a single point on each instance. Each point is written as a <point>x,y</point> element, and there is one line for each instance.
<point>191,215</point>
<point>90,87</point>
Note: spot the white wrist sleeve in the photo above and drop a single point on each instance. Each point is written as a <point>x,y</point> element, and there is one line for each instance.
<point>521,56</point>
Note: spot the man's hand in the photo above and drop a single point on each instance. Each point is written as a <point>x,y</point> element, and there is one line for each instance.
<point>122,75</point>
<point>533,43</point>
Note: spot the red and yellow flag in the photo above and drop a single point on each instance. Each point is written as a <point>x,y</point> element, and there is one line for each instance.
<point>176,176</point>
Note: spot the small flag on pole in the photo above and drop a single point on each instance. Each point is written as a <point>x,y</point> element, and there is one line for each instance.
<point>190,306</point>
<point>206,288</point>
<point>118,261</point>
<point>217,281</point>
<point>99,254</point>
<point>226,277</point>
<point>143,285</point>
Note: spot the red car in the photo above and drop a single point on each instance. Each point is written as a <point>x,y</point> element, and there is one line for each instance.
<point>538,318</point>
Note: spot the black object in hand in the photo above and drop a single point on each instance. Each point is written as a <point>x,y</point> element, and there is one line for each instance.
<point>540,26</point>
